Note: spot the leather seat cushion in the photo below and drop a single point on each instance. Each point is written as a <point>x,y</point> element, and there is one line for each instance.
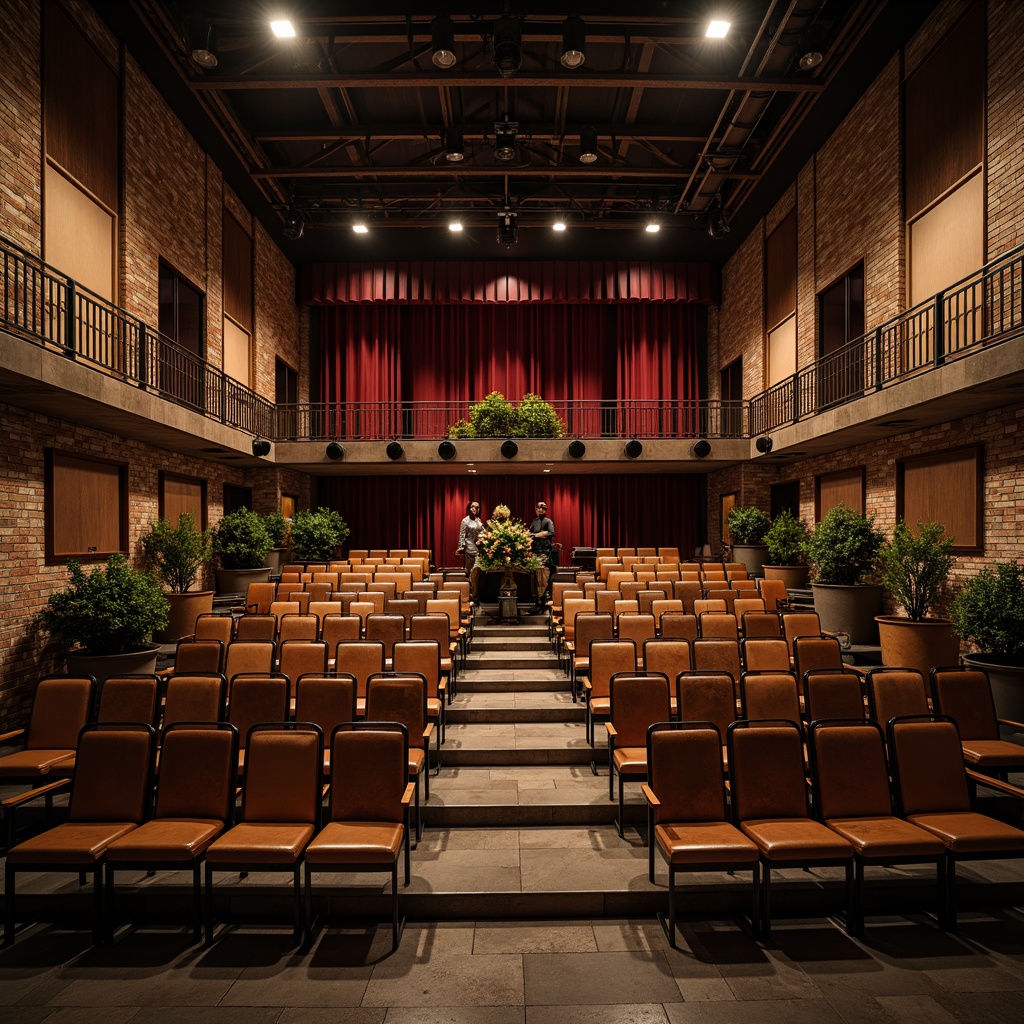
<point>630,760</point>
<point>77,844</point>
<point>260,843</point>
<point>356,842</point>
<point>799,839</point>
<point>166,839</point>
<point>600,706</point>
<point>967,832</point>
<point>705,842</point>
<point>886,836</point>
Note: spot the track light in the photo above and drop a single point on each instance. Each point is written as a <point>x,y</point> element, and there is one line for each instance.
<point>588,146</point>
<point>574,39</point>
<point>394,450</point>
<point>634,449</point>
<point>764,444</point>
<point>509,449</point>
<point>577,449</point>
<point>454,146</point>
<point>335,451</point>
<point>260,448</point>
<point>293,225</point>
<point>508,46</point>
<point>701,448</point>
<point>202,52</point>
<point>446,450</point>
<point>508,228</point>
<point>810,49</point>
<point>442,40</point>
<point>718,227</point>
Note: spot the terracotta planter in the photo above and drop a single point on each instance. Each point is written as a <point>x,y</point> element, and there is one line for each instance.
<point>794,576</point>
<point>236,581</point>
<point>103,665</point>
<point>752,556</point>
<point>1006,676</point>
<point>845,609</point>
<point>923,645</point>
<point>181,615</point>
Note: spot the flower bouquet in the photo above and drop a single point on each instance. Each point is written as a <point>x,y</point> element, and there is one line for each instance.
<point>506,544</point>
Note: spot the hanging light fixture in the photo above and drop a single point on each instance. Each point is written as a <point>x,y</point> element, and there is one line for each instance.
<point>588,145</point>
<point>508,46</point>
<point>454,145</point>
<point>505,139</point>
<point>508,228</point>
<point>718,227</point>
<point>810,49</point>
<point>442,40</point>
<point>294,226</point>
<point>574,39</point>
<point>203,51</point>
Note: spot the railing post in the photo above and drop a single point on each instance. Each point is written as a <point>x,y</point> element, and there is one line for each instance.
<point>878,358</point>
<point>141,360</point>
<point>223,398</point>
<point>796,399</point>
<point>939,330</point>
<point>70,334</point>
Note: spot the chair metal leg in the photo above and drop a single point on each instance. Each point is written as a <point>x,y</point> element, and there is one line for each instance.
<point>766,908</point>
<point>9,919</point>
<point>297,907</point>
<point>650,844</point>
<point>309,905</point>
<point>197,902</point>
<point>209,905</point>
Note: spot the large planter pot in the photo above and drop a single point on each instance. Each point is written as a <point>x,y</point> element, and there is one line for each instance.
<point>1006,675</point>
<point>923,645</point>
<point>276,557</point>
<point>181,615</point>
<point>794,576</point>
<point>845,609</point>
<point>236,581</point>
<point>103,665</point>
<point>752,556</point>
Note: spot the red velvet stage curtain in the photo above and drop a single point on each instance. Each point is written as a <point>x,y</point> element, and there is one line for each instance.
<point>588,511</point>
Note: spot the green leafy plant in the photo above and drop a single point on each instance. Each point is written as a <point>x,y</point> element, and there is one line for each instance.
<point>915,568</point>
<point>113,609</point>
<point>315,534</point>
<point>176,554</point>
<point>843,546</point>
<point>241,540</point>
<point>785,539</point>
<point>988,611</point>
<point>536,418</point>
<point>748,524</point>
<point>277,527</point>
<point>495,416</point>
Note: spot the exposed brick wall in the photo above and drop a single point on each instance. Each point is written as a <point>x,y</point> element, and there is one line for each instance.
<point>277,316</point>
<point>1005,135</point>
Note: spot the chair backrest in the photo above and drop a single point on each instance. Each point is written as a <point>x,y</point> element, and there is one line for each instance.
<point>742,605</point>
<point>249,656</point>
<point>636,703</point>
<point>764,654</point>
<point>687,591</point>
<point>256,626</point>
<point>766,770</point>
<point>927,766</point>
<point>113,778</point>
<point>796,624</point>
<point>604,600</point>
<point>702,605</point>
<point>199,656</point>
<point>682,625</point>
<point>198,768</point>
<point>965,695</point>
<point>195,698</point>
<point>301,656</point>
<point>590,626</point>
<point>258,597</point>
<point>573,606</point>
<point>761,624</point>
<point>629,590</point>
<point>840,790</point>
<point>391,697</point>
<point>334,628</point>
<point>608,657</point>
<point>213,626</point>
<point>299,605</point>
<point>636,626</point>
<point>327,699</point>
<point>725,594</point>
<point>770,695</point>
<point>706,697</point>
<point>811,652</point>
<point>716,654</point>
<point>422,657</point>
<point>406,607</point>
<point>60,708</point>
<point>363,609</point>
<point>718,624</point>
<point>283,769</point>
<point>832,693</point>
<point>362,658</point>
<point>895,693</point>
<point>318,591</point>
<point>331,576</point>
<point>370,765</point>
<point>388,628</point>
<point>774,594</point>
<point>557,590</point>
<point>684,766</point>
<point>385,586</point>
<point>131,698</point>
<point>431,627</point>
<point>298,627</point>
<point>446,606</point>
<point>257,698</point>
<point>321,609</point>
<point>667,655</point>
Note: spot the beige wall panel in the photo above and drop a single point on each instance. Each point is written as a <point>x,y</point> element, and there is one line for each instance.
<point>78,234</point>
<point>237,353</point>
<point>782,351</point>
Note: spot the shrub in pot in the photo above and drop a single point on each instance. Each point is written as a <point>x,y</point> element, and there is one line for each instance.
<point>914,568</point>
<point>277,527</point>
<point>177,555</point>
<point>842,550</point>
<point>747,526</point>
<point>241,542</point>
<point>785,541</point>
<point>315,534</point>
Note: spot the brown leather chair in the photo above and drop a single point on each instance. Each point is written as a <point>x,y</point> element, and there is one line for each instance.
<point>717,654</point>
<point>389,628</point>
<point>764,654</point>
<point>196,656</point>
<point>435,627</point>
<point>249,656</point>
<point>770,695</point>
<point>195,799</point>
<point>761,624</point>
<point>327,700</point>
<point>362,658</point>
<point>297,657</point>
<point>769,804</point>
<point>852,797</point>
<point>895,693</point>
<point>280,810</point>
<point>669,656</point>
<point>679,625</point>
<point>832,693</point>
<point>195,698</point>
<point>110,796</point>
<point>587,626</point>
<point>796,624</point>
<point>636,626</point>
<point>636,703</point>
<point>607,657</point>
<point>707,697</point>
<point>300,626</point>
<point>259,597</point>
<point>686,818</point>
<point>775,595</point>
<point>368,822</point>
<point>214,626</point>
<point>813,652</point>
<point>256,626</point>
<point>718,625</point>
<point>254,698</point>
<point>423,657</point>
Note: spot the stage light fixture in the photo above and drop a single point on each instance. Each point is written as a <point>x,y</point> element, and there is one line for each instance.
<point>203,51</point>
<point>718,227</point>
<point>293,225</point>
<point>634,449</point>
<point>446,450</point>
<point>260,447</point>
<point>588,146</point>
<point>764,444</point>
<point>508,46</point>
<point>574,41</point>
<point>577,449</point>
<point>442,40</point>
<point>509,449</point>
<point>810,49</point>
<point>394,450</point>
<point>454,146</point>
<point>508,228</point>
<point>335,451</point>
<point>505,140</point>
<point>701,448</point>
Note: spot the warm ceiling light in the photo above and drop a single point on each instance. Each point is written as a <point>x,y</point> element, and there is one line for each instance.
<point>588,146</point>
<point>559,224</point>
<point>574,38</point>
<point>810,49</point>
<point>455,225</point>
<point>442,39</point>
<point>454,146</point>
<point>717,29</point>
<point>203,52</point>
<point>508,46</point>
<point>360,228</point>
<point>283,29</point>
<point>652,227</point>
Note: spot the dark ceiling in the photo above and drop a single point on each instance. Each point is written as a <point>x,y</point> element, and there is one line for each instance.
<point>352,119</point>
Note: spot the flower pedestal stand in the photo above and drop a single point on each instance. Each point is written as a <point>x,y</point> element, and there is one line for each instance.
<point>508,602</point>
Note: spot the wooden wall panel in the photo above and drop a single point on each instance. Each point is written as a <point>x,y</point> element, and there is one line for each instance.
<point>237,353</point>
<point>782,352</point>
<point>780,272</point>
<point>86,505</point>
<point>237,273</point>
<point>944,488</point>
<point>728,504</point>
<point>182,494</point>
<point>845,485</point>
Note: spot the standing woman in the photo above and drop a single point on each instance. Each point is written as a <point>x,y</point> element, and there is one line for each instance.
<point>469,533</point>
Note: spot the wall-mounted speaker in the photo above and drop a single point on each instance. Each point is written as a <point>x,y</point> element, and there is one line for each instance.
<point>701,448</point>
<point>634,449</point>
<point>509,449</point>
<point>394,450</point>
<point>260,448</point>
<point>446,450</point>
<point>335,451</point>
<point>764,444</point>
<point>577,449</point>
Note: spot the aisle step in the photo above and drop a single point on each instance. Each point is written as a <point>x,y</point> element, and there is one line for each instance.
<point>514,706</point>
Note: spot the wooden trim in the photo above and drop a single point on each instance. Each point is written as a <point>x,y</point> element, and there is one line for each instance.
<point>52,458</point>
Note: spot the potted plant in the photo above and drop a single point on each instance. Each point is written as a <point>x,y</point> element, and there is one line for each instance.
<point>496,416</point>
<point>277,527</point>
<point>315,534</point>
<point>747,526</point>
<point>107,618</point>
<point>914,569</point>
<point>177,555</point>
<point>842,550</point>
<point>988,613</point>
<point>241,542</point>
<point>785,541</point>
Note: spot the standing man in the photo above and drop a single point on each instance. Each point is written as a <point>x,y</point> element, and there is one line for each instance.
<point>542,529</point>
<point>469,533</point>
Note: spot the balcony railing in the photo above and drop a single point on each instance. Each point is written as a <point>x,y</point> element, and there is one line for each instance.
<point>45,307</point>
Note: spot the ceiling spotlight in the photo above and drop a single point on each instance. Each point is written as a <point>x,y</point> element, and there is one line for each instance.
<point>335,451</point>
<point>764,444</point>
<point>652,227</point>
<point>508,228</point>
<point>634,449</point>
<point>283,29</point>
<point>442,39</point>
<point>717,29</point>
<point>701,448</point>
<point>577,449</point>
<point>360,228</point>
<point>455,225</point>
<point>505,139</point>
<point>810,49</point>
<point>202,52</point>
<point>454,146</point>
<point>508,46</point>
<point>718,226</point>
<point>260,448</point>
<point>559,223</point>
<point>588,146</point>
<point>446,450</point>
<point>574,39</point>
<point>509,449</point>
<point>394,450</point>
<point>294,226</point>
